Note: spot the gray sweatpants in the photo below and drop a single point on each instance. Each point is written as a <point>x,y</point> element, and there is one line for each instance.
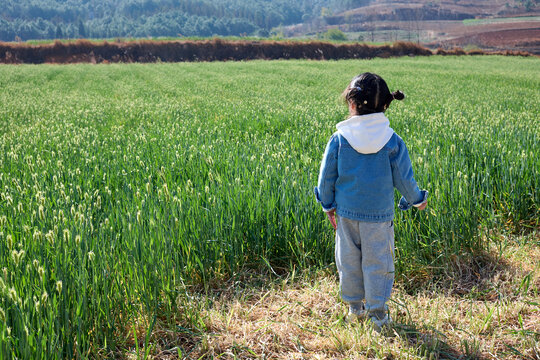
<point>365,262</point>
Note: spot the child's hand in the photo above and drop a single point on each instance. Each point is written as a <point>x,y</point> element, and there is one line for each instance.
<point>422,206</point>
<point>332,217</point>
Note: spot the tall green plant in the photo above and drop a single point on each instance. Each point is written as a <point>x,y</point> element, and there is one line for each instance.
<point>122,186</point>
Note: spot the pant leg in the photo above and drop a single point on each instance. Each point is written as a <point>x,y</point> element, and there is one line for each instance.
<point>349,263</point>
<point>377,243</point>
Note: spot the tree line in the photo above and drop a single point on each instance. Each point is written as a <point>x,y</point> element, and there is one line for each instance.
<point>57,19</point>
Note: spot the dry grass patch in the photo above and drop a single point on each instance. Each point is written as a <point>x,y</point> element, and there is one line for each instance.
<point>498,316</point>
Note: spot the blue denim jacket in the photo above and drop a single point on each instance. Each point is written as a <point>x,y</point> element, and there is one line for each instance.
<point>360,186</point>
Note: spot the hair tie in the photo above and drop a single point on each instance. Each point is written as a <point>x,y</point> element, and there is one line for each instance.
<point>358,88</point>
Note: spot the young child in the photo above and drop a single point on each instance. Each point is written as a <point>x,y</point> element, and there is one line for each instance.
<point>363,162</point>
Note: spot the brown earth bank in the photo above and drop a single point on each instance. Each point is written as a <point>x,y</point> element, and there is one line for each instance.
<point>517,39</point>
<point>210,50</point>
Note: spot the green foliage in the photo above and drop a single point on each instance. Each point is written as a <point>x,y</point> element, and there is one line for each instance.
<point>123,185</point>
<point>326,12</point>
<point>529,4</point>
<point>334,34</point>
<point>49,19</point>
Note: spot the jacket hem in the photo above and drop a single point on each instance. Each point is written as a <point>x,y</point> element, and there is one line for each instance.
<point>359,216</point>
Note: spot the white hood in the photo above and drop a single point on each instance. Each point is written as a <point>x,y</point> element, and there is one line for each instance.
<point>367,134</point>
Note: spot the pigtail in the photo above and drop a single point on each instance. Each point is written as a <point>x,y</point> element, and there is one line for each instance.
<point>398,95</point>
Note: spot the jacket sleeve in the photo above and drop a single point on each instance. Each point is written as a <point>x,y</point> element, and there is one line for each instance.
<point>328,174</point>
<point>403,177</point>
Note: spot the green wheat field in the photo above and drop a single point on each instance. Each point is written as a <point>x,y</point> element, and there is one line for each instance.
<point>126,190</point>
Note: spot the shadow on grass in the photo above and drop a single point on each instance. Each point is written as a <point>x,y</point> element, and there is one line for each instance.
<point>493,278</point>
<point>432,344</point>
<point>483,276</point>
<point>487,276</point>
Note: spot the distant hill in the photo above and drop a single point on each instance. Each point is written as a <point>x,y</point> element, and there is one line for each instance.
<point>484,24</point>
<point>57,19</point>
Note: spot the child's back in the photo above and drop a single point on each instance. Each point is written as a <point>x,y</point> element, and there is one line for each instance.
<point>363,162</point>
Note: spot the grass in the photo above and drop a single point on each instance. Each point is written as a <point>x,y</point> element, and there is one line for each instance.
<point>300,316</point>
<point>382,37</point>
<point>129,193</point>
<point>500,20</point>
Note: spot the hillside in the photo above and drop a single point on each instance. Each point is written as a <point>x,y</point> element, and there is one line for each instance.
<point>492,25</point>
<point>57,19</point>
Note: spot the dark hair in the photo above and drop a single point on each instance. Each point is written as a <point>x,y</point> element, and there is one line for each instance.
<point>370,94</point>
